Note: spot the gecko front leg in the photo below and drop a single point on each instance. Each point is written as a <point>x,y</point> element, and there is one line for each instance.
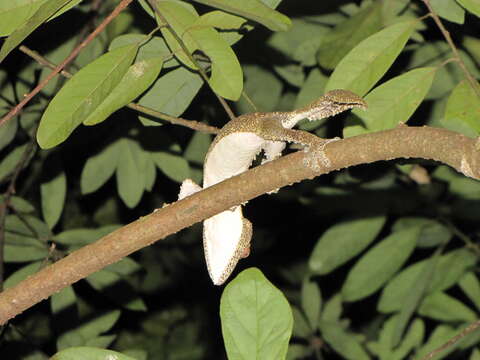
<point>315,145</point>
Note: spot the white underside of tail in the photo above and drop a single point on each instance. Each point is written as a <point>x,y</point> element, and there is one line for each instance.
<point>222,233</point>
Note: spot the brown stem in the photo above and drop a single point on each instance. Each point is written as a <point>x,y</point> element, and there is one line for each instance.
<point>123,4</point>
<point>450,42</point>
<point>470,328</point>
<point>192,124</point>
<point>202,73</point>
<point>453,149</point>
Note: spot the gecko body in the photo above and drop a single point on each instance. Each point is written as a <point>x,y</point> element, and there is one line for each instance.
<point>226,236</point>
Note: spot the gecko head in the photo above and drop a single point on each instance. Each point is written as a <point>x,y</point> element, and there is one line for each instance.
<point>332,103</point>
<point>345,98</point>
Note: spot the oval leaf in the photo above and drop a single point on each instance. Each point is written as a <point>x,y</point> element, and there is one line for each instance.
<point>342,242</point>
<point>442,307</point>
<point>174,166</point>
<point>379,264</point>
<point>448,271</point>
<point>82,94</point>
<point>347,34</point>
<point>90,353</point>
<point>137,79</point>
<point>172,93</point>
<point>473,6</point>
<point>254,10</point>
<point>42,13</point>
<point>256,318</point>
<point>362,67</point>
<point>463,110</point>
<point>130,176</point>
<point>394,101</point>
<point>53,195</point>
<point>99,168</point>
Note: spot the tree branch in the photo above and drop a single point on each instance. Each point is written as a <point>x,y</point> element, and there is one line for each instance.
<point>448,38</point>
<point>192,124</point>
<point>453,149</point>
<point>123,4</point>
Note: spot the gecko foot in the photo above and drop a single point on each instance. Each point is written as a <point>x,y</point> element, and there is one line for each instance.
<point>317,154</point>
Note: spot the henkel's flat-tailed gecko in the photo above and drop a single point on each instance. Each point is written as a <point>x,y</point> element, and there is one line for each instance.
<point>226,236</point>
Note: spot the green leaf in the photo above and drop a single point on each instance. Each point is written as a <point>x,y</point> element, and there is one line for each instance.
<point>394,101</point>
<point>449,10</point>
<point>301,328</point>
<point>463,108</point>
<point>22,273</point>
<point>130,175</point>
<point>475,355</point>
<point>262,87</point>
<point>254,10</point>
<point>472,6</point>
<point>76,238</point>
<point>10,162</point>
<point>312,88</point>
<point>442,307</point>
<point>347,34</point>
<point>82,94</point>
<point>342,242</point>
<point>116,288</point>
<point>379,264</point>
<point>99,168</point>
<point>433,233</point>
<point>439,336</point>
<point>342,342</point>
<point>7,132</point>
<point>88,330</point>
<point>256,318</point>
<point>291,73</point>
<point>383,347</point>
<point>172,93</point>
<point>90,353</point>
<point>367,62</point>
<point>416,294</point>
<point>226,74</point>
<point>53,194</point>
<point>234,26</point>
<point>153,47</point>
<point>63,300</point>
<point>471,287</point>
<point>448,271</point>
<point>19,204</point>
<point>311,302</point>
<point>25,239</point>
<point>42,13</point>
<point>174,166</point>
<point>295,45</point>
<point>137,79</point>
<point>333,309</point>
<point>16,12</point>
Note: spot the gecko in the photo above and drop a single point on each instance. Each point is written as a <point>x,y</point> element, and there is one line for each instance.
<point>227,235</point>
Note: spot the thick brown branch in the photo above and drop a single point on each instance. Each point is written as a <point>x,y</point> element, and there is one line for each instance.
<point>445,146</point>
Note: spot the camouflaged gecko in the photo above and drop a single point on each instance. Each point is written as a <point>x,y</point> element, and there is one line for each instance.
<point>226,236</point>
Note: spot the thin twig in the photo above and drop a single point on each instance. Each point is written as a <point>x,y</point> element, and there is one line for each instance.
<point>450,42</point>
<point>58,68</point>
<point>192,124</point>
<point>192,59</point>
<point>470,328</point>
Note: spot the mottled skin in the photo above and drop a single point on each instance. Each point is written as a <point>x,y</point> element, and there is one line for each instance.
<point>226,236</point>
